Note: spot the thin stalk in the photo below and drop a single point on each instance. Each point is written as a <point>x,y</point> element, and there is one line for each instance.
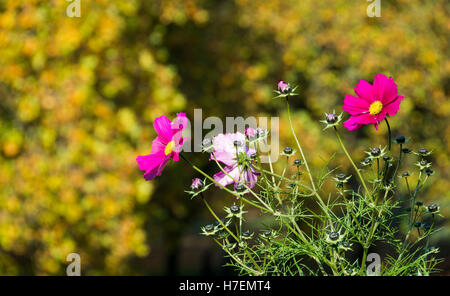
<point>389,133</point>
<point>298,145</point>
<point>353,164</point>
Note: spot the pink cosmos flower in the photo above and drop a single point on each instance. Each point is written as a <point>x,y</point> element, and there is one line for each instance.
<point>230,149</point>
<point>372,103</point>
<point>166,146</point>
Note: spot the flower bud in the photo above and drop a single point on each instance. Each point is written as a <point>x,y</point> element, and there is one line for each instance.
<point>298,162</point>
<point>422,151</point>
<point>237,143</point>
<point>367,161</point>
<point>235,209</point>
<point>405,174</point>
<point>429,171</point>
<point>220,224</point>
<point>196,184</point>
<point>334,236</point>
<point>417,224</point>
<point>284,87</point>
<point>209,227</point>
<point>341,176</point>
<point>288,150</point>
<point>331,118</point>
<point>375,151</point>
<point>247,234</point>
<point>406,150</point>
<point>433,208</point>
<point>240,188</point>
<point>419,203</point>
<point>261,133</point>
<point>207,145</point>
<point>400,139</point>
<point>250,132</point>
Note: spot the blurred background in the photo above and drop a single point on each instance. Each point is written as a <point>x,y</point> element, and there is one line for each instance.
<point>78,97</point>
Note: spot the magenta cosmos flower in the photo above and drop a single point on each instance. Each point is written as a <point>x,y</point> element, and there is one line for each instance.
<point>167,145</point>
<point>231,150</point>
<point>372,103</point>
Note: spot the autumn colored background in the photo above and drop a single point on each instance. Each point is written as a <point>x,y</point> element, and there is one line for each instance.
<point>78,97</point>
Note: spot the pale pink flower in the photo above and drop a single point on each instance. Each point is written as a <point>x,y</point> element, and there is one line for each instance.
<point>230,149</point>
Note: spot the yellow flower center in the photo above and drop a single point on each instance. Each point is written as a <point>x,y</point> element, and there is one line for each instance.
<point>375,108</point>
<point>169,148</point>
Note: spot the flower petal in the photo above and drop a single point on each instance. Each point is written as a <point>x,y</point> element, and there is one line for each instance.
<point>355,106</point>
<point>364,90</point>
<point>227,179</point>
<point>163,127</point>
<point>384,89</point>
<point>158,145</point>
<point>355,122</point>
<point>393,106</point>
<point>152,164</point>
<point>224,149</point>
<point>249,177</point>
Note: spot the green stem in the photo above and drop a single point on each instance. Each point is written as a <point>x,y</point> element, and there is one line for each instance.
<point>353,164</point>
<point>298,145</point>
<point>389,133</point>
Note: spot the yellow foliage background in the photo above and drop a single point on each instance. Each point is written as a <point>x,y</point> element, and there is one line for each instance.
<point>78,97</point>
